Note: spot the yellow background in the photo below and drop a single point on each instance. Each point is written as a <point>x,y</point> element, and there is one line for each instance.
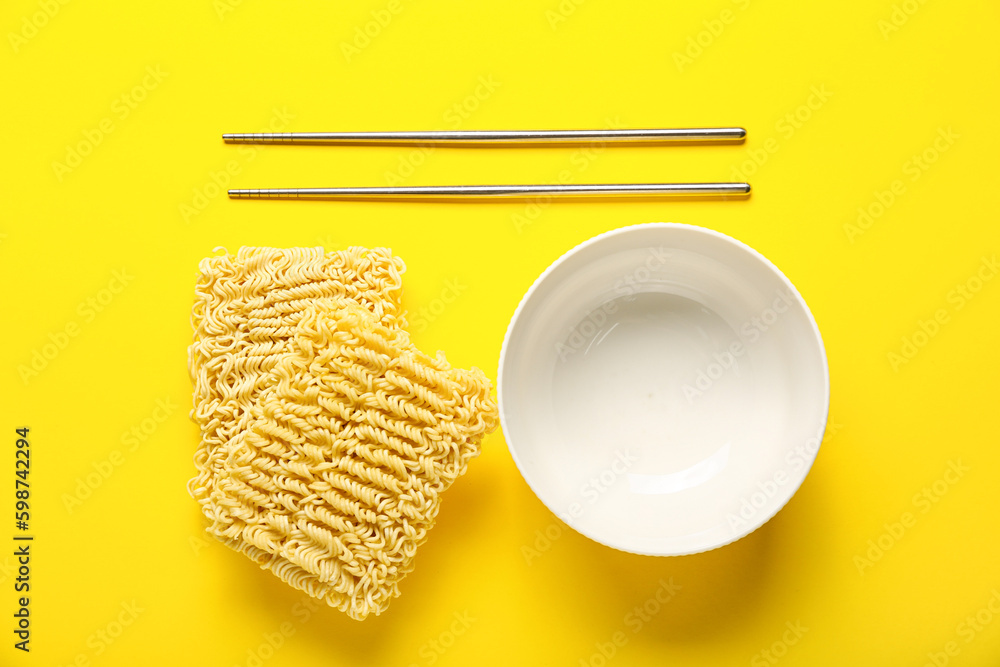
<point>232,66</point>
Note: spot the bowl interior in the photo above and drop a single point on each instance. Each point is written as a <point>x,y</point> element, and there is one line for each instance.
<point>663,389</point>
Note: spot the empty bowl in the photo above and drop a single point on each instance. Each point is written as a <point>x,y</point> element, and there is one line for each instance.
<point>663,389</point>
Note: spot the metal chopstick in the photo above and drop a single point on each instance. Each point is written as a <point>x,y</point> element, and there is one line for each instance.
<point>508,137</point>
<point>504,191</point>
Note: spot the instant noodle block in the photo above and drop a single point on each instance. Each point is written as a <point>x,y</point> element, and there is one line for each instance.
<point>328,438</point>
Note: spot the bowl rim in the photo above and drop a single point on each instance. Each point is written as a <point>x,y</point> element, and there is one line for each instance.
<point>716,236</point>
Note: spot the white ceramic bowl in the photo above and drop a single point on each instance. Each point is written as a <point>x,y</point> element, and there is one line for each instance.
<point>663,389</point>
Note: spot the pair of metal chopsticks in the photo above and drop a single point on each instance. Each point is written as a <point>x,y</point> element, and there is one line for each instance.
<point>505,138</point>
